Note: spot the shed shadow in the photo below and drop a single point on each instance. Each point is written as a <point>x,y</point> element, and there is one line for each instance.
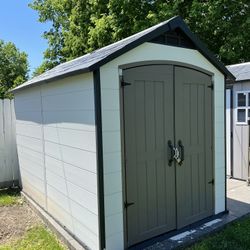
<point>80,117</point>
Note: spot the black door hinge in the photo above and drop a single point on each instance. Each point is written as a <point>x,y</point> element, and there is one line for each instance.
<point>211,86</point>
<point>128,204</point>
<point>123,83</point>
<point>211,182</point>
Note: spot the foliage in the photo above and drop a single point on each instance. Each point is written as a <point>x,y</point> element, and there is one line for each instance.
<point>37,238</point>
<point>224,25</point>
<point>235,236</point>
<point>13,68</point>
<point>42,68</point>
<point>10,197</point>
<point>81,26</point>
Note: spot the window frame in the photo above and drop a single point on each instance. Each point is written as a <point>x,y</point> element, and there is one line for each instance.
<point>246,107</point>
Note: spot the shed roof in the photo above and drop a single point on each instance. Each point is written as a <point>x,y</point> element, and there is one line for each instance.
<point>97,58</point>
<point>241,71</point>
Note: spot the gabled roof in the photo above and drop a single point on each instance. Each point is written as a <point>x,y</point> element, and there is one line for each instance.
<point>97,58</point>
<point>241,71</point>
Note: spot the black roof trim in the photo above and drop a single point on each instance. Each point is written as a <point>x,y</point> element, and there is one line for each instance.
<point>96,59</point>
<point>241,81</point>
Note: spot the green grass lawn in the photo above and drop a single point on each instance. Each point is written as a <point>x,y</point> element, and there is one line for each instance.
<point>10,197</point>
<point>234,237</point>
<point>37,238</point>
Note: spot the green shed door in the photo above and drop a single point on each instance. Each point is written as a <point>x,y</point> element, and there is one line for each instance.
<point>193,127</point>
<point>150,182</point>
<point>166,103</point>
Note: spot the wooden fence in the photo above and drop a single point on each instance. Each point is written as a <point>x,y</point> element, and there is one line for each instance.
<point>9,170</point>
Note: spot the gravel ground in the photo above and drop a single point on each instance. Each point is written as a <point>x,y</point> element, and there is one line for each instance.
<point>15,221</point>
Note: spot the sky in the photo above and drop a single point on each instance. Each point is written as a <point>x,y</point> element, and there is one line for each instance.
<point>19,24</point>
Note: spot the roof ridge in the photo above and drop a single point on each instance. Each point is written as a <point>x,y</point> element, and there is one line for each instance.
<point>243,72</point>
<point>237,64</point>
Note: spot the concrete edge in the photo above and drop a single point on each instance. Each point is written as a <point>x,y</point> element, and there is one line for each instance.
<point>213,232</point>
<point>55,227</point>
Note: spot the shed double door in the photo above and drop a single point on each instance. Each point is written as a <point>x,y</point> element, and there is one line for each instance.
<point>166,105</point>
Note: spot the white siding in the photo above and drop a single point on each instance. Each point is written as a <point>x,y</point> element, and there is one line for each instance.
<point>57,152</point>
<point>112,136</point>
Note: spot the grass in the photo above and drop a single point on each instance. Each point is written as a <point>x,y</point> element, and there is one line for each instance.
<point>10,197</point>
<point>234,236</point>
<point>37,238</point>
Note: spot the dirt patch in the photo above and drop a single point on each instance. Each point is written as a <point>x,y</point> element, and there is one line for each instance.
<point>15,221</point>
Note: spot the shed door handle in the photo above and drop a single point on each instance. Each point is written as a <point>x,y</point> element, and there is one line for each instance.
<point>182,152</point>
<point>171,153</point>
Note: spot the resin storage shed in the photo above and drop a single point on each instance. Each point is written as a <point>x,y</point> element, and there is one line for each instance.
<point>127,142</point>
<point>238,123</point>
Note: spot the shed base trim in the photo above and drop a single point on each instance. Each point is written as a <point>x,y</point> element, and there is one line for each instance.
<point>62,233</point>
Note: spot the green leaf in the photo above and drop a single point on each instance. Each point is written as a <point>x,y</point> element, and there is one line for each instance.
<point>13,68</point>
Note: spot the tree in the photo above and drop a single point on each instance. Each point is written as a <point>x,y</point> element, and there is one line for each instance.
<point>224,26</point>
<point>71,23</point>
<point>80,26</point>
<point>42,68</point>
<point>13,68</point>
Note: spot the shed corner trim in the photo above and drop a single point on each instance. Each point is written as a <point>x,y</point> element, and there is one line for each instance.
<point>99,158</point>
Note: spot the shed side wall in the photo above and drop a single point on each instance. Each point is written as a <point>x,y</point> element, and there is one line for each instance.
<point>57,152</point>
<point>240,137</point>
<point>112,135</point>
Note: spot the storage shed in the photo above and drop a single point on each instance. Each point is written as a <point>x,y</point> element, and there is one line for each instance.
<point>127,142</point>
<point>238,100</point>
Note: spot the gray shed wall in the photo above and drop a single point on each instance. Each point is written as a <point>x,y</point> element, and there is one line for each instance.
<point>55,126</point>
<point>240,137</point>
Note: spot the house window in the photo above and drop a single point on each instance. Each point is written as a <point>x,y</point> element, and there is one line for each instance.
<point>241,115</point>
<point>242,99</point>
<point>243,107</point>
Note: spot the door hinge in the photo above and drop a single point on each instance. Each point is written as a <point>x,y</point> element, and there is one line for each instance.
<point>128,204</point>
<point>123,83</point>
<point>211,86</point>
<point>211,182</point>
